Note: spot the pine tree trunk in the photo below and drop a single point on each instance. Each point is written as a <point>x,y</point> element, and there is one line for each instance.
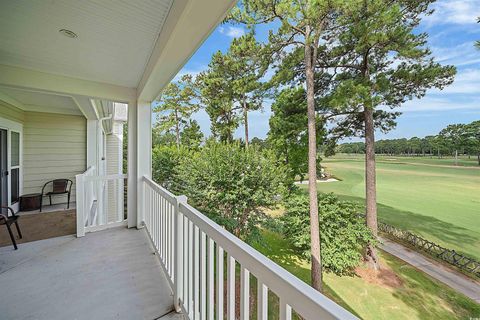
<point>456,157</point>
<point>245,119</point>
<point>370,184</point>
<point>316,271</point>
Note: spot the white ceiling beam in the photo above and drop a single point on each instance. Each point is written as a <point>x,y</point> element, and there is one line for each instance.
<point>35,80</point>
<point>46,109</point>
<point>187,26</point>
<point>86,107</point>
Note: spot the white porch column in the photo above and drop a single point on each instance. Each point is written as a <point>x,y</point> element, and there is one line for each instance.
<point>139,158</point>
<point>144,153</point>
<point>132,165</point>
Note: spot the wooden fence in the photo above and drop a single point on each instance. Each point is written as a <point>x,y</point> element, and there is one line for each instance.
<point>458,260</point>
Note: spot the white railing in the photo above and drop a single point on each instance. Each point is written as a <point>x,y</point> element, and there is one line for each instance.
<point>99,201</point>
<point>192,249</point>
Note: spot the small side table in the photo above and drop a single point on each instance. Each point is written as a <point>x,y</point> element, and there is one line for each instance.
<point>30,202</point>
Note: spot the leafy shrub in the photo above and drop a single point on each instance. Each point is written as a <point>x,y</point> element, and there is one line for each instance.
<point>343,232</point>
<point>232,184</point>
<point>165,160</point>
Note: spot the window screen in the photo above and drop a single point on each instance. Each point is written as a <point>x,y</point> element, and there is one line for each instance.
<point>15,138</point>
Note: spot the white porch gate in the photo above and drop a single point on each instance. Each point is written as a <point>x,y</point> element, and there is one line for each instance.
<point>97,208</point>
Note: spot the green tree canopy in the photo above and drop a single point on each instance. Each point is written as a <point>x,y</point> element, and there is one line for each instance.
<point>231,86</point>
<point>217,97</point>
<point>192,136</point>
<point>176,105</point>
<point>247,66</point>
<point>288,130</point>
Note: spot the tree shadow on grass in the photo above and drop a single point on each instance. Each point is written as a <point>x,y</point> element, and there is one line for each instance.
<point>429,298</point>
<point>452,236</point>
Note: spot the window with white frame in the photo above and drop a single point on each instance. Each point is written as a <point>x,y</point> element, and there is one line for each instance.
<point>15,166</point>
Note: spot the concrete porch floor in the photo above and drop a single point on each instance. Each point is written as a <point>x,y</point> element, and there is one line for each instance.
<point>112,274</point>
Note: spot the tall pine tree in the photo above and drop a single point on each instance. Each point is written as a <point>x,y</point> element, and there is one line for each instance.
<point>385,62</point>
<point>302,25</point>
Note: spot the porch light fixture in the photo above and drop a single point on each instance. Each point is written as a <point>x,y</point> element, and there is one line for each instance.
<point>68,33</point>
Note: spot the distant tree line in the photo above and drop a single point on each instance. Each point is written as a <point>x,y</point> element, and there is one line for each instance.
<point>454,140</point>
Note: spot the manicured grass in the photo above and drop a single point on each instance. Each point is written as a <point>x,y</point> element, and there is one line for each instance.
<point>417,297</point>
<point>430,197</point>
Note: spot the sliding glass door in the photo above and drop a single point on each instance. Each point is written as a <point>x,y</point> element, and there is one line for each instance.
<point>3,168</point>
<point>10,163</point>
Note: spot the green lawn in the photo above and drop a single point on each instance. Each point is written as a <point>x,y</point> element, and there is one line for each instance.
<point>430,197</point>
<point>417,297</point>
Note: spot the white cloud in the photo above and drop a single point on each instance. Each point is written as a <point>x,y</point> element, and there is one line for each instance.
<point>467,82</point>
<point>440,104</point>
<point>463,54</point>
<point>193,72</point>
<point>232,32</point>
<point>454,12</point>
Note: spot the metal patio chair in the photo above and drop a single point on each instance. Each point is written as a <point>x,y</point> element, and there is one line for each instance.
<point>59,186</point>
<point>8,221</point>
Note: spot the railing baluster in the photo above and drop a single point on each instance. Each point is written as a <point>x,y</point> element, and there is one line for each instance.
<point>262,301</point>
<point>285,310</point>
<point>196,274</point>
<point>230,287</point>
<point>244,293</point>
<point>185,262</point>
<point>151,226</point>
<point>158,225</point>
<point>211,282</point>
<point>150,210</point>
<point>167,239</point>
<point>219,282</point>
<point>190,270</point>
<point>203,277</point>
<point>178,255</point>
<point>170,239</point>
<point>162,231</point>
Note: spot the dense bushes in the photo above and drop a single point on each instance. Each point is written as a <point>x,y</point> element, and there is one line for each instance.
<point>233,185</point>
<point>229,183</point>
<point>165,160</point>
<point>343,233</point>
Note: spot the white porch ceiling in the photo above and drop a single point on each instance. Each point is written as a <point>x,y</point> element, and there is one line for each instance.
<point>115,37</point>
<point>40,101</point>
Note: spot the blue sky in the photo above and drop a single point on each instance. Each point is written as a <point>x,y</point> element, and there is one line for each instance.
<point>453,31</point>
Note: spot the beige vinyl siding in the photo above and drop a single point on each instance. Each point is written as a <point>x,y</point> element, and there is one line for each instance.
<point>54,146</point>
<point>11,113</point>
<point>114,166</point>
